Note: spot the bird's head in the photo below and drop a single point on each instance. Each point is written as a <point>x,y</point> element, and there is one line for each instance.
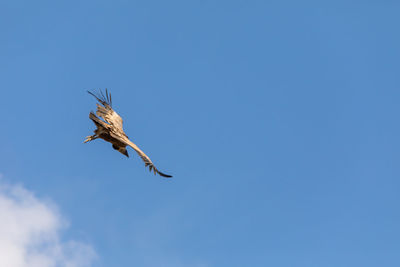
<point>123,151</point>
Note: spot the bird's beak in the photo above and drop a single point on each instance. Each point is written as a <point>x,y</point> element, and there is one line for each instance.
<point>126,153</point>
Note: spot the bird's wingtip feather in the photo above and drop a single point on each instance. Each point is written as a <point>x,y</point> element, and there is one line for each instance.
<point>164,175</point>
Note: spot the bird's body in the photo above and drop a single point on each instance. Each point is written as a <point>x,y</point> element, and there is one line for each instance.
<point>108,133</point>
<point>111,130</point>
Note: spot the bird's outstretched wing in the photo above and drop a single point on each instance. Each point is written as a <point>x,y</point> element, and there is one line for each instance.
<point>106,112</point>
<point>144,157</point>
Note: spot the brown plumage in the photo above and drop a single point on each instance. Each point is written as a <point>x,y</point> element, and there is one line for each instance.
<point>111,130</point>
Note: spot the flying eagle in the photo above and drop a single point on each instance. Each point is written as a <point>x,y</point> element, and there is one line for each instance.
<point>110,129</point>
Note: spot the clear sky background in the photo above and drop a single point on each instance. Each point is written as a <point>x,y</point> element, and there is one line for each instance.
<point>278,119</point>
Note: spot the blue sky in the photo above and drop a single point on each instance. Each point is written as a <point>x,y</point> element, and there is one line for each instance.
<point>278,120</point>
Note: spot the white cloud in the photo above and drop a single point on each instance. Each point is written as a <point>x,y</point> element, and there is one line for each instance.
<point>30,233</point>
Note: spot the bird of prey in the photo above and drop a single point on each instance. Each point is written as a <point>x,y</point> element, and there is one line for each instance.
<point>110,129</point>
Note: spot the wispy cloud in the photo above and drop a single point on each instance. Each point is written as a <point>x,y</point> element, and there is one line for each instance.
<point>30,233</point>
